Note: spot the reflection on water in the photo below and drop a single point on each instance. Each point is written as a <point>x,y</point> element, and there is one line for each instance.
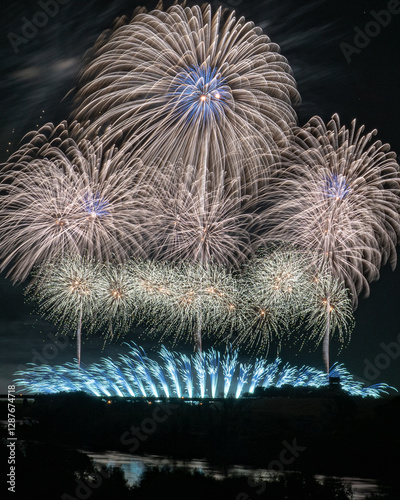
<point>134,466</point>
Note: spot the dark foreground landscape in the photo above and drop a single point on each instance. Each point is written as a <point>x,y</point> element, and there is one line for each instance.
<point>307,433</point>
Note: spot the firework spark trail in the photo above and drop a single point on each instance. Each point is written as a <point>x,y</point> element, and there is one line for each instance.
<point>287,374</point>
<point>244,372</point>
<point>64,197</point>
<point>186,372</point>
<point>212,369</point>
<point>258,374</point>
<point>270,373</point>
<point>158,373</point>
<point>199,362</point>
<point>229,363</point>
<point>129,370</point>
<point>336,193</point>
<point>172,366</point>
<point>167,83</point>
<point>143,367</point>
<point>119,377</point>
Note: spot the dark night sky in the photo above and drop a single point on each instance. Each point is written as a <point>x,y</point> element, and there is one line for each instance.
<point>34,82</point>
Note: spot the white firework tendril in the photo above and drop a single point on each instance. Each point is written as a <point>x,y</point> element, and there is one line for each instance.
<point>62,197</point>
<point>192,85</point>
<point>336,193</point>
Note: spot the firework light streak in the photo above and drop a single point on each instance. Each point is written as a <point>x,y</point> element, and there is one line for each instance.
<point>186,372</point>
<point>172,367</point>
<point>258,373</point>
<point>199,363</point>
<point>124,377</point>
<point>244,372</point>
<point>229,363</point>
<point>213,368</point>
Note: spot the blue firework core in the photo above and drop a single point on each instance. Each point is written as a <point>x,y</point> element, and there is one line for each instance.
<point>95,205</point>
<point>336,186</point>
<point>199,93</point>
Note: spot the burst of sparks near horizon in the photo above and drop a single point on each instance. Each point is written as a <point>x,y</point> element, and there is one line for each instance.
<point>336,193</point>
<point>275,286</point>
<point>129,376</point>
<point>66,291</point>
<point>63,197</point>
<point>66,288</point>
<point>330,312</point>
<point>180,298</point>
<point>116,298</point>
<point>190,84</point>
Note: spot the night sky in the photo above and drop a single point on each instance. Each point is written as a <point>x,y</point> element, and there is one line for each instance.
<point>37,76</point>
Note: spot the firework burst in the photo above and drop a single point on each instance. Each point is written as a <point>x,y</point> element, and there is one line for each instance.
<point>62,197</point>
<point>190,85</point>
<point>330,311</point>
<point>67,293</point>
<point>201,224</point>
<point>186,300</point>
<point>117,292</point>
<point>276,285</point>
<point>336,193</point>
<point>130,376</point>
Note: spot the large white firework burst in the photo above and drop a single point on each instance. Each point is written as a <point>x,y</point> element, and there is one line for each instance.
<point>62,197</point>
<point>192,85</point>
<point>336,193</point>
<point>189,223</point>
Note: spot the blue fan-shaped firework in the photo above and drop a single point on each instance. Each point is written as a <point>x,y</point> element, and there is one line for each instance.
<point>171,375</point>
